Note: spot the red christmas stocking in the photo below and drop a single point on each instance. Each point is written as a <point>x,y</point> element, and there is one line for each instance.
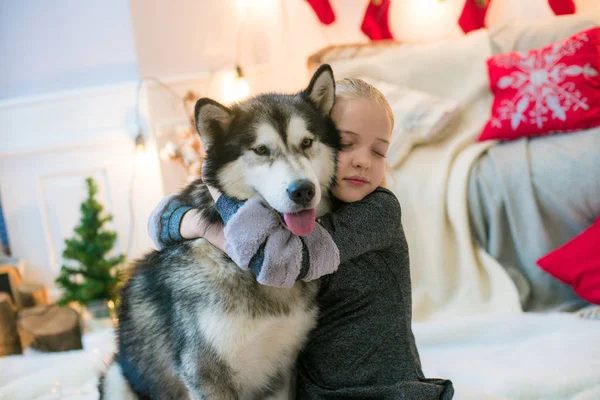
<point>562,7</point>
<point>375,22</point>
<point>323,10</point>
<point>473,15</point>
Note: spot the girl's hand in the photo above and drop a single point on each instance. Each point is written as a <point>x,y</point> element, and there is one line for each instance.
<point>192,225</point>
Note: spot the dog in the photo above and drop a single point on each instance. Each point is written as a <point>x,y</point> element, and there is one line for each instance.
<point>192,324</point>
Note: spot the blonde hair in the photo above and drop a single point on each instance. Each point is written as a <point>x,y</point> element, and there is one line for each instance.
<point>354,88</point>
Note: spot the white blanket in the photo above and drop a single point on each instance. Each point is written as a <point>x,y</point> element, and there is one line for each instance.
<point>526,356</point>
<point>523,356</point>
<point>450,276</point>
<point>70,375</point>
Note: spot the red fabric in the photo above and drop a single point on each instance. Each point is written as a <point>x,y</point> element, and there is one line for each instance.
<point>577,263</point>
<point>472,16</point>
<point>375,22</point>
<point>562,7</point>
<point>323,10</point>
<point>552,89</point>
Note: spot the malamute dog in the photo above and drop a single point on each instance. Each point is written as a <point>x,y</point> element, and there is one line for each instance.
<point>192,325</point>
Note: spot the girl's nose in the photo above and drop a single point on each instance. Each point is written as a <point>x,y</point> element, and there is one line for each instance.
<point>361,160</point>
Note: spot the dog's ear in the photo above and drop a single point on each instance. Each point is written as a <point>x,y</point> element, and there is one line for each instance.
<point>321,89</point>
<point>212,119</point>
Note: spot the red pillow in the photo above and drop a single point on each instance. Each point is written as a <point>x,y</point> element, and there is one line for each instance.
<point>551,89</point>
<point>577,263</point>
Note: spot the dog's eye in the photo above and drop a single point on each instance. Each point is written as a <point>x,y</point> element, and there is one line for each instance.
<point>306,143</point>
<point>261,150</point>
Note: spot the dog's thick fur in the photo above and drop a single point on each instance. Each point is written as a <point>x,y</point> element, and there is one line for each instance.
<point>193,325</point>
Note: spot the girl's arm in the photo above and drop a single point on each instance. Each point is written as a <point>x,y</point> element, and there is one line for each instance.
<point>370,224</point>
<point>173,221</point>
<point>165,220</point>
<point>258,239</point>
<point>255,237</point>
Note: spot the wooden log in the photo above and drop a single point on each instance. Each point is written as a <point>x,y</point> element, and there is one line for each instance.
<point>33,295</point>
<point>10,280</point>
<point>9,337</point>
<point>50,328</point>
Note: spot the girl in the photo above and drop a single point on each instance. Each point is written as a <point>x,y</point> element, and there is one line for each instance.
<point>363,345</point>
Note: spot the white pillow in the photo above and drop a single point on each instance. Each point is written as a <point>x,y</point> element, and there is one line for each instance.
<point>419,118</point>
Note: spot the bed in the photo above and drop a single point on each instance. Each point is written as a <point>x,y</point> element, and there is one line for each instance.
<point>478,215</point>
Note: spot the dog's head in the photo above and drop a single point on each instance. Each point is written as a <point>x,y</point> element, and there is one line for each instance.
<point>282,147</point>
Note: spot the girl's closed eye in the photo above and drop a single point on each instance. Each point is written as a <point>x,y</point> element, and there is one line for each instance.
<point>346,145</point>
<point>380,150</point>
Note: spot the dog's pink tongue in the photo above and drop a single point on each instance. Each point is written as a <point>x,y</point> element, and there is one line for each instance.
<point>301,223</point>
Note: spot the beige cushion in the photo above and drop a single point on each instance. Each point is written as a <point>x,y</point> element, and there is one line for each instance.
<point>419,118</point>
<point>527,35</point>
<point>348,51</point>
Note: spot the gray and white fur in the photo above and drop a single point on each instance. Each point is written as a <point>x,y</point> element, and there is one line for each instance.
<point>192,324</point>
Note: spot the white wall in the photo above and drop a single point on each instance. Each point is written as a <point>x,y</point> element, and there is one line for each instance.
<point>207,36</point>
<point>49,46</point>
<point>423,20</point>
<point>68,84</point>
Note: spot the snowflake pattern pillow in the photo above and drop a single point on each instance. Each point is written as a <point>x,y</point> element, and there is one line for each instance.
<point>551,89</point>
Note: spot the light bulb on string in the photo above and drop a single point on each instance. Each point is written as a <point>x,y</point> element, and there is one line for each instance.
<point>236,87</point>
<point>242,85</point>
<point>140,143</point>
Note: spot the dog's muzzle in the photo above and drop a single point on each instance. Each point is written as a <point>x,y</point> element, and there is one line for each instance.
<point>301,192</point>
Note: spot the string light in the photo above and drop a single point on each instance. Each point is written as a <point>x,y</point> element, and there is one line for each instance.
<point>57,389</point>
<point>140,143</point>
<point>235,86</point>
<point>242,86</point>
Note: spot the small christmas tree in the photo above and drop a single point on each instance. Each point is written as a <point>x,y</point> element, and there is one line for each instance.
<point>96,277</point>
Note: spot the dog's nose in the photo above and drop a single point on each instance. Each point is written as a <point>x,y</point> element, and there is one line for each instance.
<point>301,192</point>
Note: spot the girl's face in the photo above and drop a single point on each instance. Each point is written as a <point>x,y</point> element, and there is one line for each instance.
<point>366,129</point>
